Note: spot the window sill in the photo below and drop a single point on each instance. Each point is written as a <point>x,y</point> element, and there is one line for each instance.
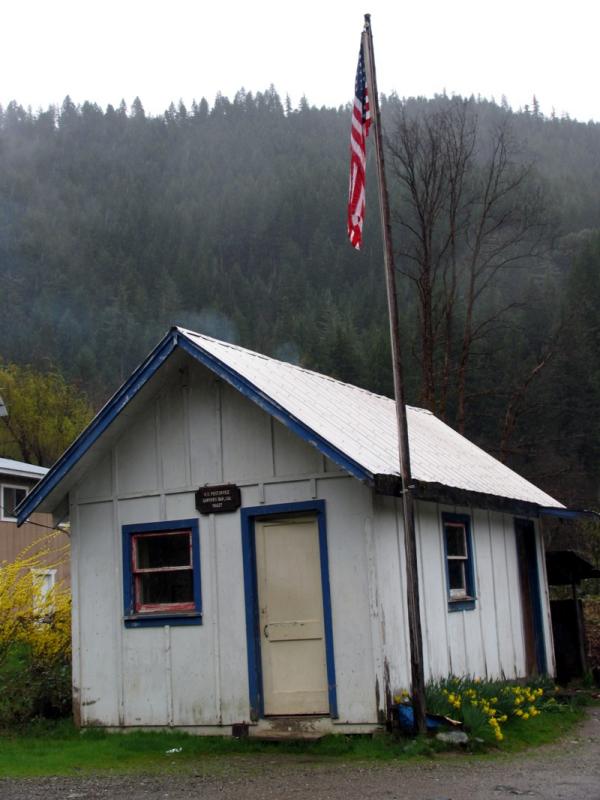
<point>157,620</point>
<point>461,604</point>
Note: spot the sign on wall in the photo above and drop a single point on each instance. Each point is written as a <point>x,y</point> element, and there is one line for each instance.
<point>217,499</point>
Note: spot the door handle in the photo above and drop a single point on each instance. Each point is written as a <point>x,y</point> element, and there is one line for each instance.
<point>266,631</point>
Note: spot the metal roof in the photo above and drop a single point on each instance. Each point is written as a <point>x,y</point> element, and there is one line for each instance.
<point>362,425</point>
<point>354,427</point>
<point>21,469</point>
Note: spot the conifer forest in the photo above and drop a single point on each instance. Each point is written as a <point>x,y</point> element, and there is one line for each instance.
<point>229,218</point>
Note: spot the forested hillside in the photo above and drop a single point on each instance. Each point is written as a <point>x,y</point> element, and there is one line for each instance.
<point>230,219</point>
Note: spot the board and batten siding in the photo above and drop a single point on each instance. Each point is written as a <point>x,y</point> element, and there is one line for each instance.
<point>202,431</point>
<point>196,430</point>
<point>485,641</point>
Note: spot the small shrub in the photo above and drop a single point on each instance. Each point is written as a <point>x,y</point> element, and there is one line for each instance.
<point>35,638</point>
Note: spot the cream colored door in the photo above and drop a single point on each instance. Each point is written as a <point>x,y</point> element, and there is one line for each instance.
<point>292,633</point>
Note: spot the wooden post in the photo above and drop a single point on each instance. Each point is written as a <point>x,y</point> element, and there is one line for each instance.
<point>581,640</point>
<point>412,574</point>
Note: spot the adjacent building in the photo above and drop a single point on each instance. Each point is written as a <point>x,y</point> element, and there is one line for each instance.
<point>17,479</point>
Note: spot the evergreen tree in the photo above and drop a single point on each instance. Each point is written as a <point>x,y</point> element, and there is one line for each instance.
<point>116,224</point>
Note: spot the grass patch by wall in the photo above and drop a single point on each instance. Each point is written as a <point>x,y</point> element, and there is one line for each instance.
<point>60,749</point>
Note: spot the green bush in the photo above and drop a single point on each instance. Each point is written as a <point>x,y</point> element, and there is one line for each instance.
<point>30,688</point>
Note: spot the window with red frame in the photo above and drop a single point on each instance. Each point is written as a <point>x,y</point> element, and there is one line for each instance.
<point>163,572</point>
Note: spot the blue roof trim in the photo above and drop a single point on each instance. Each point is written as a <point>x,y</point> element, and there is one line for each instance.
<point>568,513</point>
<point>98,425</point>
<point>175,338</point>
<point>245,387</point>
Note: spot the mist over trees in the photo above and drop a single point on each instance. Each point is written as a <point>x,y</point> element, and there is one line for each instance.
<point>230,219</point>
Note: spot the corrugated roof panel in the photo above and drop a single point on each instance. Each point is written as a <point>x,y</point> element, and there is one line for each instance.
<point>362,425</point>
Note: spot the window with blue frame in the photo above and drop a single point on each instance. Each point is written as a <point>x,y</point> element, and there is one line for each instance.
<point>161,572</point>
<point>460,572</point>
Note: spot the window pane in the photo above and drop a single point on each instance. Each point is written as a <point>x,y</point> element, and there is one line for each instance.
<point>456,574</point>
<point>456,541</point>
<point>170,550</point>
<point>11,499</point>
<point>166,588</point>
<point>45,580</point>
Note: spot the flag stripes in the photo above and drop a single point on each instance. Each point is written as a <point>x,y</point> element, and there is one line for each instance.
<point>361,121</point>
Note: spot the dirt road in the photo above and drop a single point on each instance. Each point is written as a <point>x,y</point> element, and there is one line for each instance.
<point>566,771</point>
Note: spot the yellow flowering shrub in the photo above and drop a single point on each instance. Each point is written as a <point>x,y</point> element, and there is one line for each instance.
<point>35,634</point>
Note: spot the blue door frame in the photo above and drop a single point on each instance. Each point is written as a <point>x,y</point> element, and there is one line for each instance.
<point>248,517</point>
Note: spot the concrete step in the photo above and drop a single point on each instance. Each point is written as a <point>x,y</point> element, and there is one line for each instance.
<point>290,728</point>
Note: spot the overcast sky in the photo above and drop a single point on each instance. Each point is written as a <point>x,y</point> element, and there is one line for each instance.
<point>163,51</point>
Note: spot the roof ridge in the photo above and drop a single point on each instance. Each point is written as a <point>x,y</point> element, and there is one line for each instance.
<point>298,367</point>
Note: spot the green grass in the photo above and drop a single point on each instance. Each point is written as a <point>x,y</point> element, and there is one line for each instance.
<point>62,750</point>
<point>552,724</point>
<point>59,749</point>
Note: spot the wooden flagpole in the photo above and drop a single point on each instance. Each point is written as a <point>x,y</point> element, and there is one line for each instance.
<point>412,575</point>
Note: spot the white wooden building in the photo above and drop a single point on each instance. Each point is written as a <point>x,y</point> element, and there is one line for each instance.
<point>289,609</point>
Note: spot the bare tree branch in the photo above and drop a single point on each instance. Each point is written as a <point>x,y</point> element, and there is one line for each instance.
<point>469,212</point>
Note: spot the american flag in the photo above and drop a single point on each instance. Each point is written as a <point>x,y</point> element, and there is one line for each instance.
<point>361,120</point>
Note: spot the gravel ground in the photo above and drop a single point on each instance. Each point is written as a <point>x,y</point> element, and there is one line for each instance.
<point>569,770</point>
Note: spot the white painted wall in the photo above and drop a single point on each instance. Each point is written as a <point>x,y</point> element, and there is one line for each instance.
<point>486,641</point>
<point>202,431</point>
<point>199,430</point>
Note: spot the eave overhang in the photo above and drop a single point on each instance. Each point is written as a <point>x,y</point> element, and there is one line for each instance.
<point>391,485</point>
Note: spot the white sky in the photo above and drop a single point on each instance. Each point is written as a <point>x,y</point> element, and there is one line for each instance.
<point>163,51</point>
